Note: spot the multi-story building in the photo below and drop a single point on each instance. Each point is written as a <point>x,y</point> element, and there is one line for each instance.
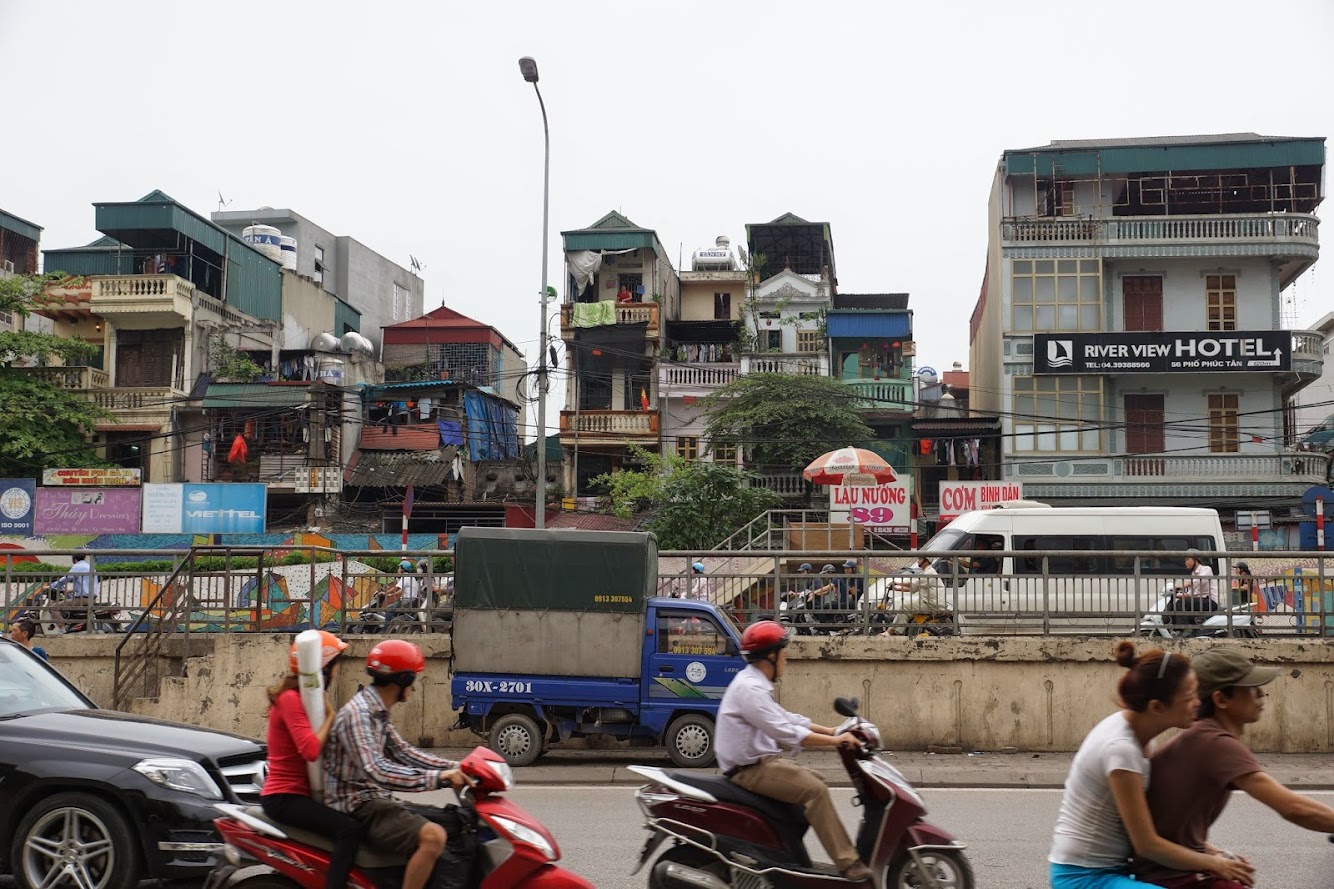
<point>381,292</point>
<point>19,241</point>
<point>1315,404</point>
<point>871,344</point>
<point>1129,328</point>
<point>620,279</point>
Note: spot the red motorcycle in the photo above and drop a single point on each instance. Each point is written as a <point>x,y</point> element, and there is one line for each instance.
<point>725,837</point>
<point>513,850</point>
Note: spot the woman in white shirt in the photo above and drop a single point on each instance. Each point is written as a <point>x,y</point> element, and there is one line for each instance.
<point>1104,814</point>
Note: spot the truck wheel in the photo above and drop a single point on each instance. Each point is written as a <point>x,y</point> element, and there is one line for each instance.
<point>74,839</point>
<point>690,741</point>
<point>516,737</point>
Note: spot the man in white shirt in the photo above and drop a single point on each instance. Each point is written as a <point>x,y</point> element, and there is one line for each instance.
<point>1199,593</point>
<point>409,585</point>
<point>80,582</point>
<point>921,594</point>
<point>753,732</point>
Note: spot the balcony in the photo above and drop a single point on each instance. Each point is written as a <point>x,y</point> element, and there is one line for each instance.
<point>148,300</point>
<point>883,395</point>
<point>784,484</point>
<point>625,313</point>
<point>698,380</point>
<point>1125,478</point>
<point>609,427</point>
<point>815,364</point>
<point>71,377</point>
<point>1293,235</point>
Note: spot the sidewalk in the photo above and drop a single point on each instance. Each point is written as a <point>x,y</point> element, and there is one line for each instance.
<point>1301,771</point>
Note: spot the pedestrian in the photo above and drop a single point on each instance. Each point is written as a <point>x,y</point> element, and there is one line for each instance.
<point>1104,815</point>
<point>22,631</point>
<point>287,796</point>
<point>1195,773</point>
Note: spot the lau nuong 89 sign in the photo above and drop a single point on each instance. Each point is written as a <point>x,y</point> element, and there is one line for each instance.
<point>1160,351</point>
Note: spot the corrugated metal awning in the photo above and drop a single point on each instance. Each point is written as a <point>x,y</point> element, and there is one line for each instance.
<point>868,324</point>
<point>233,396</point>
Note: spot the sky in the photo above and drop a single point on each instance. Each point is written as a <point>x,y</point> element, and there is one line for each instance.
<point>408,126</point>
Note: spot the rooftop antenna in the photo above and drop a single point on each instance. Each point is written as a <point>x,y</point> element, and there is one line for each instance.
<point>222,203</point>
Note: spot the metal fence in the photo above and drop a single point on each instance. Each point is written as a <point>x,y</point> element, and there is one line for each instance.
<point>285,589</point>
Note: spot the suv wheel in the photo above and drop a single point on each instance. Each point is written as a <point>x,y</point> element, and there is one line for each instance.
<point>74,840</point>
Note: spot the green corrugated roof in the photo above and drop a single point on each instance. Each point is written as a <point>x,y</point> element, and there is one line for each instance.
<point>235,396</point>
<point>20,227</point>
<point>612,232</point>
<point>1152,154</point>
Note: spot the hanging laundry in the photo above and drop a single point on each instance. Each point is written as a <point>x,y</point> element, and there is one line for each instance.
<point>643,398</point>
<point>239,452</point>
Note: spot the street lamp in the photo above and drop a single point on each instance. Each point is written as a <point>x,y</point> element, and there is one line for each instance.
<point>528,67</point>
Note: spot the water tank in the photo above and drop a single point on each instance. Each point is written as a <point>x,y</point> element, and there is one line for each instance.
<point>353,342</point>
<point>324,342</point>
<point>266,239</point>
<point>330,370</point>
<point>717,258</point>
<point>288,247</point>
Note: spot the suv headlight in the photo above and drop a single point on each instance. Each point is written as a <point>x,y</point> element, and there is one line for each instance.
<point>179,774</point>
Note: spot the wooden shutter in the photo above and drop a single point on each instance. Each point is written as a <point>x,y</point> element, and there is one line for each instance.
<point>1144,424</point>
<point>1142,300</point>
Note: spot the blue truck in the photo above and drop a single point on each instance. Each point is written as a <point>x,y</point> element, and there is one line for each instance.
<point>557,635</point>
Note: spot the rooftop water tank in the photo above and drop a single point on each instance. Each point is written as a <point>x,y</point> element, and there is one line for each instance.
<point>717,258</point>
<point>324,342</point>
<point>353,342</point>
<point>330,370</point>
<point>266,239</point>
<point>288,247</point>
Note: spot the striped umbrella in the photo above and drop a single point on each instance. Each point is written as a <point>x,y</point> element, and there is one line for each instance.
<point>849,466</point>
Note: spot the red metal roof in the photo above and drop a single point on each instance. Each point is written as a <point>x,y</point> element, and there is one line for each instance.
<point>444,325</point>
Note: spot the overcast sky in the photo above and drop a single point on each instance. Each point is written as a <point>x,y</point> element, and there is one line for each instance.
<point>407,125</point>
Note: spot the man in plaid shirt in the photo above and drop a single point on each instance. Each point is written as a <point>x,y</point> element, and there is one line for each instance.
<point>366,759</point>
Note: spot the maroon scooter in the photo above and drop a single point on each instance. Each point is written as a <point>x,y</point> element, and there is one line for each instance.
<point>725,837</point>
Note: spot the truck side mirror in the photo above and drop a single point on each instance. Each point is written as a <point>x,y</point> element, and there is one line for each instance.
<point>732,649</point>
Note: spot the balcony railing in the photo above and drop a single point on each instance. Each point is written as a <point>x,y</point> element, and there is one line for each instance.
<point>1296,228</point>
<point>626,313</point>
<point>1229,467</point>
<point>785,484</point>
<point>161,399</point>
<point>800,364</point>
<point>883,395</point>
<point>697,376</point>
<point>610,424</point>
<point>72,377</point>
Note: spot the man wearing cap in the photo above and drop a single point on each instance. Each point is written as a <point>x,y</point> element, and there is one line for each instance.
<point>1194,774</point>
<point>922,591</point>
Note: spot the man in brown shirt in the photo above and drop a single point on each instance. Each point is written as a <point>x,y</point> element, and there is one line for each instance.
<point>1193,775</point>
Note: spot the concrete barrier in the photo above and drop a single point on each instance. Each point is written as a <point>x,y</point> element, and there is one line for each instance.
<point>976,693</point>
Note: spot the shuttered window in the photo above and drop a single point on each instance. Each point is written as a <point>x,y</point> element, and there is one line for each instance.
<point>1144,424</point>
<point>1142,301</point>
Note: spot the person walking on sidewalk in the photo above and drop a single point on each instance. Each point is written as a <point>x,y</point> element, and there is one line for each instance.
<point>1104,815</point>
<point>1195,773</point>
<point>754,732</point>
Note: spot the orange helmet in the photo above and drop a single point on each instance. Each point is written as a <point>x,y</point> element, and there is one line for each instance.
<point>394,656</point>
<point>330,647</point>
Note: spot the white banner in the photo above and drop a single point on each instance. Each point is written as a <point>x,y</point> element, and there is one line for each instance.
<point>886,509</point>
<point>960,497</point>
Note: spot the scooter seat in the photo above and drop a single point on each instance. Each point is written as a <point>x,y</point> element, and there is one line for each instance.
<point>368,857</point>
<point>724,790</point>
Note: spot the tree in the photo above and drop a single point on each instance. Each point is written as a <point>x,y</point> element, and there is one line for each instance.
<point>44,425</point>
<point>694,504</point>
<point>784,420</point>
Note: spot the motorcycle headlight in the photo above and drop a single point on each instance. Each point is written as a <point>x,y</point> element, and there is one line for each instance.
<point>525,834</point>
<point>179,774</point>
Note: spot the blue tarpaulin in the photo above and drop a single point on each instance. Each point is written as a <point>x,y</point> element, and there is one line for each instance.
<point>492,428</point>
<point>451,433</point>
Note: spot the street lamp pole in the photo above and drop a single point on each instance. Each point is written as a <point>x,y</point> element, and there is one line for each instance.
<point>528,66</point>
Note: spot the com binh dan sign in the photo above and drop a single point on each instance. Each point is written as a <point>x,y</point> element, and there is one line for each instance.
<point>1161,351</point>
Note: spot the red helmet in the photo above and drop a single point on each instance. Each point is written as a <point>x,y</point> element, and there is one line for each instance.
<point>762,637</point>
<point>395,656</point>
<point>330,647</point>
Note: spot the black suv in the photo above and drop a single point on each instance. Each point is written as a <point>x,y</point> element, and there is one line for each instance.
<point>98,799</point>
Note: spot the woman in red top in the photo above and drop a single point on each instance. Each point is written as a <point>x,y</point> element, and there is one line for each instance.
<point>286,796</point>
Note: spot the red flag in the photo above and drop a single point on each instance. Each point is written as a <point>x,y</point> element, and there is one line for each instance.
<point>643,398</point>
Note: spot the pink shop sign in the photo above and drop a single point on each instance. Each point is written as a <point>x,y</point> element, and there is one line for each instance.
<point>87,511</point>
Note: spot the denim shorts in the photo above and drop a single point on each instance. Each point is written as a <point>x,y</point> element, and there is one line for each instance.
<point>1068,876</point>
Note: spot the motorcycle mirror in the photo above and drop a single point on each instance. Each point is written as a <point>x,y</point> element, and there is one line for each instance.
<point>846,706</point>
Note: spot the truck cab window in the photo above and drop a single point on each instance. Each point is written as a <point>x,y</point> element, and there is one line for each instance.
<point>689,634</point>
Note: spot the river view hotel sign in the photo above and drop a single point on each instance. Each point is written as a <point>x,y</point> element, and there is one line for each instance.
<point>1230,351</point>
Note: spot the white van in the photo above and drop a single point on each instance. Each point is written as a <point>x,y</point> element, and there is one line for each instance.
<point>1133,552</point>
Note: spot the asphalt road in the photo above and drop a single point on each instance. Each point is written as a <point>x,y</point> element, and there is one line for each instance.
<point>1007,831</point>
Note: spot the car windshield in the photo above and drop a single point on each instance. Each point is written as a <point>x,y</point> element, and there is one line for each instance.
<point>28,686</point>
<point>945,541</point>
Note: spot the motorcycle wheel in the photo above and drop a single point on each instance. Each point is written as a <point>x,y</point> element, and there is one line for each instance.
<point>948,869</point>
<point>402,625</point>
<point>687,856</point>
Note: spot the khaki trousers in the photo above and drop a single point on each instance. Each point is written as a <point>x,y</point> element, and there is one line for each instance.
<point>786,781</point>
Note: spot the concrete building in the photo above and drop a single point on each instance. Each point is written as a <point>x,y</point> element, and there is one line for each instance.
<point>19,244</point>
<point>1128,330</point>
<point>1315,404</point>
<point>381,292</point>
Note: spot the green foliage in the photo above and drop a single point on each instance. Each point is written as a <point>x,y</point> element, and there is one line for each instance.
<point>228,363</point>
<point>695,504</point>
<point>784,420</point>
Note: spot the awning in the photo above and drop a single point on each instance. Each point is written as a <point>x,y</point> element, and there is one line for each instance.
<point>869,324</point>
<point>236,396</point>
<point>397,469</point>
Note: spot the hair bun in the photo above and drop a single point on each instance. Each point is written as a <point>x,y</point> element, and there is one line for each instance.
<point>1125,653</point>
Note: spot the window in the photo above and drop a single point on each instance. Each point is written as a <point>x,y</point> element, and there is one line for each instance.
<point>402,297</point>
<point>1144,424</point>
<point>809,341</point>
<point>1057,414</point>
<point>1142,302</point>
<point>722,307</point>
<point>724,453</point>
<point>1223,425</point>
<point>689,634</point>
<point>770,340</point>
<point>1221,301</point>
<point>687,447</point>
<point>1056,294</point>
<point>319,264</point>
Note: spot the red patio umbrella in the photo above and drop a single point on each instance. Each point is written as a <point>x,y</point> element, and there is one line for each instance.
<point>849,466</point>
